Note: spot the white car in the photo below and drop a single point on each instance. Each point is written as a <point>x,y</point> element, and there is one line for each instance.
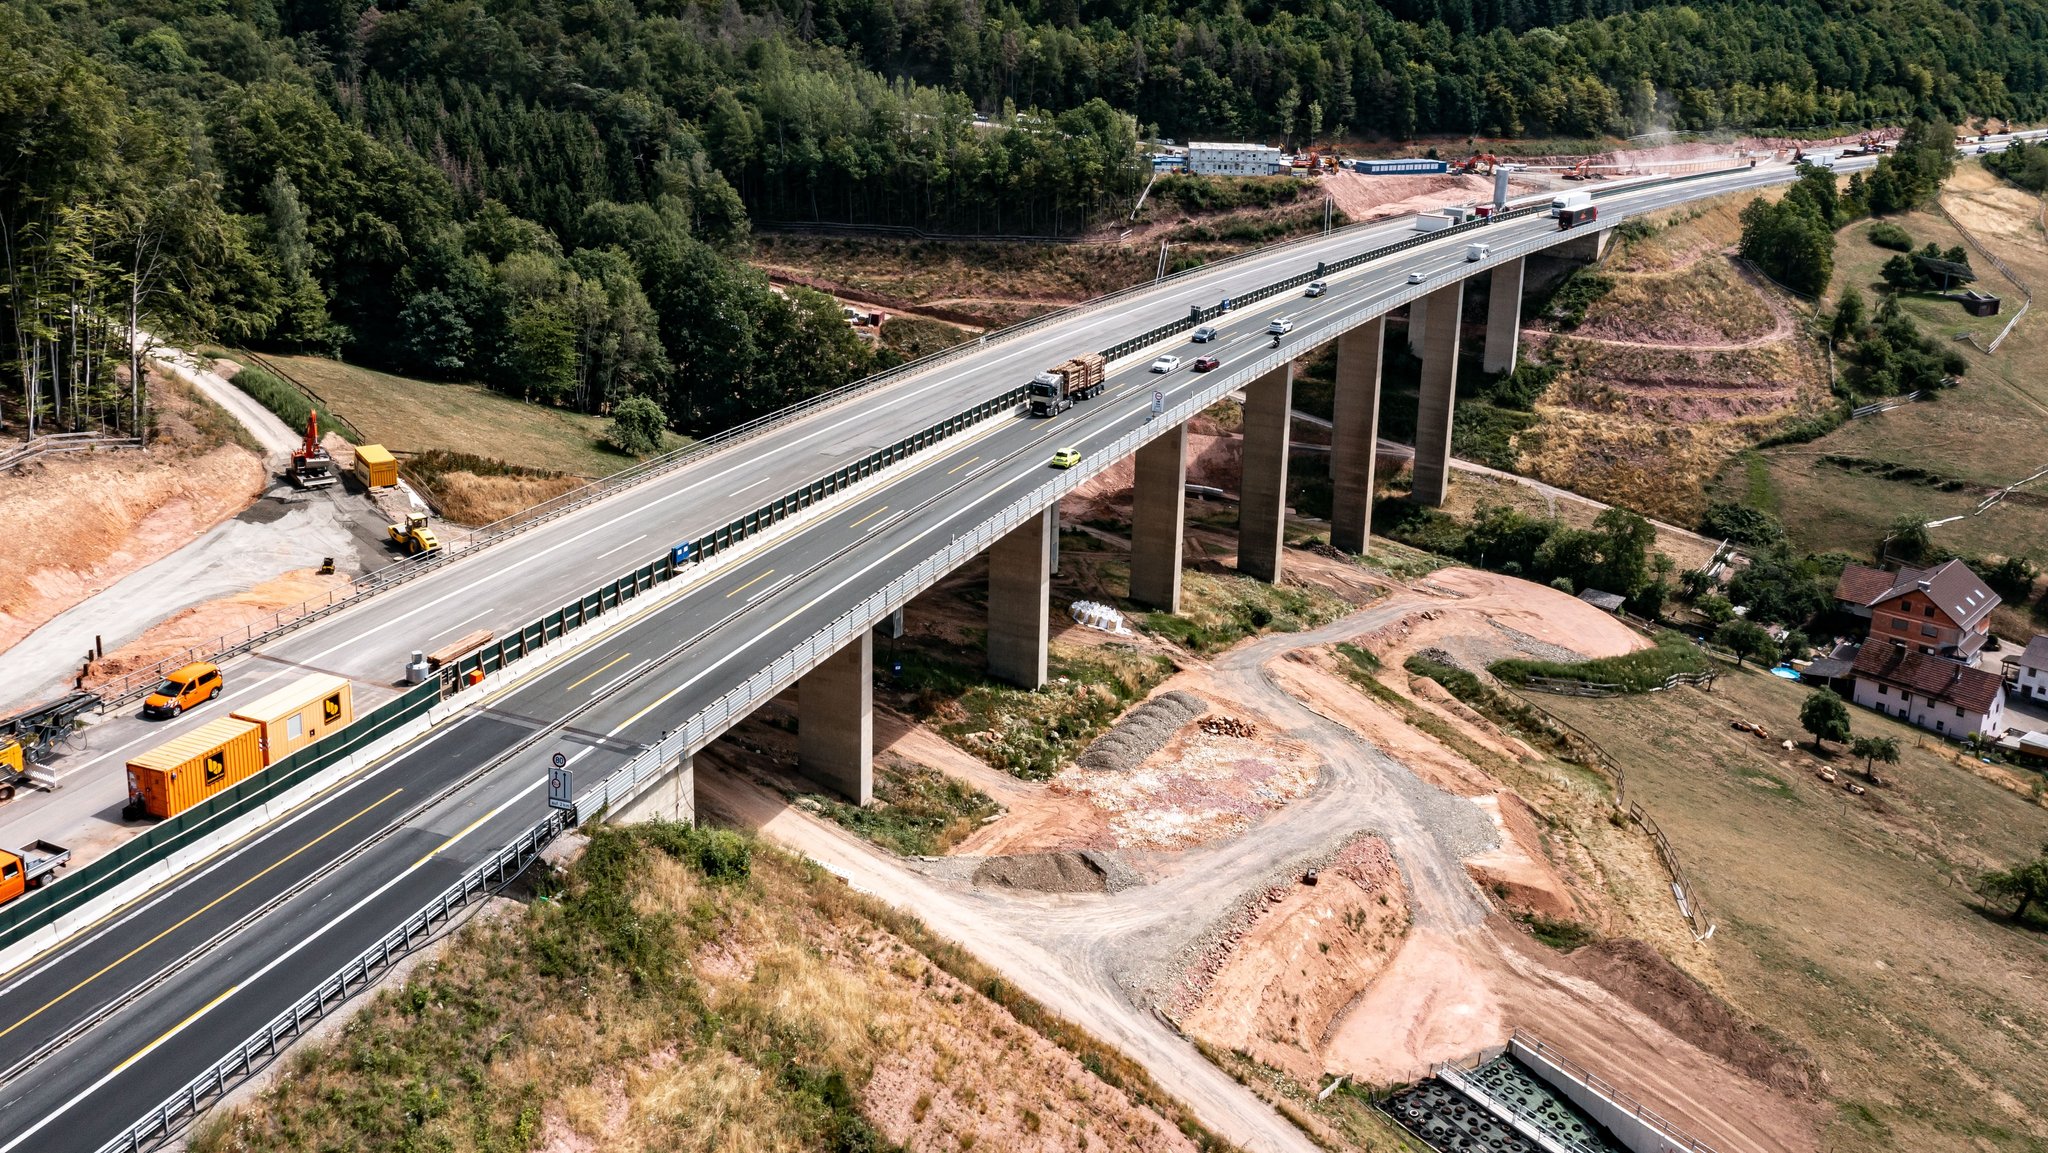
<point>1205,334</point>
<point>1417,277</point>
<point>1316,288</point>
<point>1281,326</point>
<point>1166,364</point>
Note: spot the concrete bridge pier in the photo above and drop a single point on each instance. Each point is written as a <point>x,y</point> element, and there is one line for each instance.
<point>835,725</point>
<point>672,797</point>
<point>1354,434</point>
<point>1588,245</point>
<point>1504,317</point>
<point>1418,323</point>
<point>1439,393</point>
<point>1019,600</point>
<point>1159,519</point>
<point>1262,493</point>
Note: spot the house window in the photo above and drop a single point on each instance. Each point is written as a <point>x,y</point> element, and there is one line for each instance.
<point>1884,690</point>
<point>1928,611</point>
<point>1937,726</point>
<point>1959,710</point>
<point>1906,699</point>
<point>1905,606</point>
<point>1929,631</point>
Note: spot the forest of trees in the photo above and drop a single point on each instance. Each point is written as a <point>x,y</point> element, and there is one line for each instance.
<point>553,198</point>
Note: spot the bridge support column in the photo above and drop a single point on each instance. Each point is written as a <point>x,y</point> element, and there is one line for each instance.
<point>1503,318</point>
<point>1439,393</point>
<point>1418,323</point>
<point>672,797</point>
<point>835,729</point>
<point>1159,520</point>
<point>1262,493</point>
<point>1019,595</point>
<point>1354,434</point>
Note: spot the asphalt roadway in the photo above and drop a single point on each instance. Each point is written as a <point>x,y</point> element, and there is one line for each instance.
<point>131,1010</point>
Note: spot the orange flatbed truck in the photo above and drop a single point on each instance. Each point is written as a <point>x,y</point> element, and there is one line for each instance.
<point>31,867</point>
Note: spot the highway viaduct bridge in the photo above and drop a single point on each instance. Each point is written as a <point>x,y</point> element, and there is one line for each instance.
<point>121,1012</point>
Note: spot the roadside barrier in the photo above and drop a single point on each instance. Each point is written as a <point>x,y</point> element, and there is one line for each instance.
<point>64,442</point>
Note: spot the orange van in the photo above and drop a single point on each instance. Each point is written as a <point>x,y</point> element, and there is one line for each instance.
<point>191,685</point>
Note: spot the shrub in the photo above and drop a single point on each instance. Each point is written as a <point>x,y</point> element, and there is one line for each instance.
<point>637,426</point>
<point>719,854</point>
<point>284,398</point>
<point>1885,234</point>
<point>1635,672</point>
<point>1741,524</point>
<point>1579,291</point>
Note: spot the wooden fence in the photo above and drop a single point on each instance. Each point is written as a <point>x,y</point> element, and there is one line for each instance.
<point>1573,687</point>
<point>64,442</point>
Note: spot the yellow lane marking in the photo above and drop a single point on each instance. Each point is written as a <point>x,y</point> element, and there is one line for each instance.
<point>869,517</point>
<point>615,660</point>
<point>47,1005</point>
<point>765,574</point>
<point>146,1050</point>
<point>961,465</point>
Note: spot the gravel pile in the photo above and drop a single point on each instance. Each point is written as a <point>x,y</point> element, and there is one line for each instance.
<point>1065,872</point>
<point>1142,732</point>
<point>1540,650</point>
<point>1444,657</point>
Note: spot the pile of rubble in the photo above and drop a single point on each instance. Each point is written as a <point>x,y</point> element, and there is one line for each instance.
<point>1229,727</point>
<point>1143,731</point>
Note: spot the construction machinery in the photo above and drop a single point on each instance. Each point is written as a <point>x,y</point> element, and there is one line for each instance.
<point>30,867</point>
<point>1057,388</point>
<point>414,535</point>
<point>311,465</point>
<point>1584,170</point>
<point>30,737</point>
<point>1479,163</point>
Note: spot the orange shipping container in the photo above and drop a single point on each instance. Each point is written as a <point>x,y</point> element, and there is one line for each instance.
<point>188,769</point>
<point>295,716</point>
<point>375,466</point>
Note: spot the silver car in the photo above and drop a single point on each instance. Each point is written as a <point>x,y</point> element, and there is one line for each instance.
<point>1281,326</point>
<point>1166,363</point>
<point>1316,288</point>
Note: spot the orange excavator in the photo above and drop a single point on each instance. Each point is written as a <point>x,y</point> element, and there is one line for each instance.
<point>1480,163</point>
<point>312,466</point>
<point>1583,170</point>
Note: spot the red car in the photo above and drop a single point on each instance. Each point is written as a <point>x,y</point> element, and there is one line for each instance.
<point>1205,363</point>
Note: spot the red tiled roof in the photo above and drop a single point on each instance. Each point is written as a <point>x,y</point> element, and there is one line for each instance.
<point>1863,585</point>
<point>1935,678</point>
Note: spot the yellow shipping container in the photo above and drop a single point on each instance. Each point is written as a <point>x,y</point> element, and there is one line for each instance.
<point>188,769</point>
<point>375,466</point>
<point>295,716</point>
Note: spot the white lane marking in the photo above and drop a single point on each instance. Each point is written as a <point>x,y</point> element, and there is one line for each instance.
<point>457,625</point>
<point>626,545</point>
<point>749,488</point>
<point>609,685</point>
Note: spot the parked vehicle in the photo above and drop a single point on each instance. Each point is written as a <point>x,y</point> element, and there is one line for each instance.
<point>183,688</point>
<point>1166,363</point>
<point>1205,363</point>
<point>1066,458</point>
<point>1280,325</point>
<point>1316,288</point>
<point>1204,334</point>
<point>30,867</point>
<point>1055,390</point>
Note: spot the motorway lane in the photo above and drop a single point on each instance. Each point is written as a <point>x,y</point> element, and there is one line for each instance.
<point>828,563</point>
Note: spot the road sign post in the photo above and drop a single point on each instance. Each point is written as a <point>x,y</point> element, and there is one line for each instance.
<point>1158,403</point>
<point>561,786</point>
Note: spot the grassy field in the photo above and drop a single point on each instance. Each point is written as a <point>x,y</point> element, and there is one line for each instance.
<point>1987,432</point>
<point>407,415</point>
<point>1846,922</point>
<point>686,989</point>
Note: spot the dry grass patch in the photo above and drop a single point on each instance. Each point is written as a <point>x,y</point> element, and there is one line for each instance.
<point>1845,921</point>
<point>675,996</point>
<point>1707,301</point>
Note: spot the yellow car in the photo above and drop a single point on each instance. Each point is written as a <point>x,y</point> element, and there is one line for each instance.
<point>1066,458</point>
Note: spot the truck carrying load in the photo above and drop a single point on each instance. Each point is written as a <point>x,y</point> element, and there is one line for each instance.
<point>30,867</point>
<point>293,717</point>
<point>1057,388</point>
<point>194,767</point>
<point>1568,201</point>
<point>1573,217</point>
<point>1433,222</point>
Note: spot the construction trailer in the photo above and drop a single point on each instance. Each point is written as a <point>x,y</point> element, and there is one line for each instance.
<point>299,714</point>
<point>193,767</point>
<point>375,466</point>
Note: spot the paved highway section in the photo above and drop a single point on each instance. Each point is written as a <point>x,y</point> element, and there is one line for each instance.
<point>736,621</point>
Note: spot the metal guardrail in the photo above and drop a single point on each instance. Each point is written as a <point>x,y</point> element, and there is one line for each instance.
<point>64,442</point>
<point>1885,405</point>
<point>262,1047</point>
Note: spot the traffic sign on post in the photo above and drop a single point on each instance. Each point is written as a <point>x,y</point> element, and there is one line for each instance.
<point>561,787</point>
<point>1158,402</point>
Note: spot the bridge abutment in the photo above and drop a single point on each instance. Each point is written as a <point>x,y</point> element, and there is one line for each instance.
<point>835,721</point>
<point>1504,317</point>
<point>1262,492</point>
<point>1019,600</point>
<point>1159,519</point>
<point>672,797</point>
<point>1439,393</point>
<point>1354,434</point>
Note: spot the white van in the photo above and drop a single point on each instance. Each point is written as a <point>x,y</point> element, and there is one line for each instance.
<point>1478,251</point>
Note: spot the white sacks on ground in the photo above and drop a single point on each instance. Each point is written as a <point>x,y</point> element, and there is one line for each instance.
<point>1096,615</point>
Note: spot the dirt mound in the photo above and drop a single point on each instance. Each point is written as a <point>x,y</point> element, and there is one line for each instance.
<point>466,498</point>
<point>1638,974</point>
<point>1063,872</point>
<point>1143,731</point>
<point>203,624</point>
